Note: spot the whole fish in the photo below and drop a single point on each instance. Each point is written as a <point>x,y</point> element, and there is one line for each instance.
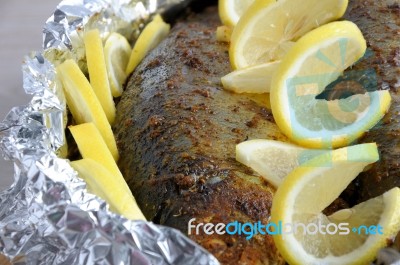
<point>177,129</point>
<point>379,22</point>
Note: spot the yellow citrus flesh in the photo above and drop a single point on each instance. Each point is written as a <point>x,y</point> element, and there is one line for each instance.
<point>230,11</point>
<point>273,160</point>
<point>98,72</point>
<point>158,18</point>
<point>268,29</point>
<point>91,145</point>
<point>117,51</point>
<point>255,79</point>
<point>111,188</point>
<point>310,188</point>
<point>83,103</point>
<point>148,39</point>
<point>224,33</point>
<point>315,61</point>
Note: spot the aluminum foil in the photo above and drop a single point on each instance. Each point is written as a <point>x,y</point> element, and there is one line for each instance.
<point>47,216</point>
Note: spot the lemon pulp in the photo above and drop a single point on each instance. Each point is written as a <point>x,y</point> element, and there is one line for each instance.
<point>315,61</point>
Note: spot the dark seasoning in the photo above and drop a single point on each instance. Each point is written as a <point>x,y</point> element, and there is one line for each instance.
<point>379,21</point>
<point>176,131</point>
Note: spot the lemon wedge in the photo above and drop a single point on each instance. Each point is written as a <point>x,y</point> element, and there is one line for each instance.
<point>317,60</point>
<point>224,33</point>
<point>83,103</point>
<point>116,52</point>
<point>349,236</point>
<point>148,39</point>
<point>109,187</point>
<point>98,72</point>
<point>230,11</point>
<point>267,30</point>
<point>255,79</point>
<point>91,145</point>
<point>273,160</point>
<point>158,18</point>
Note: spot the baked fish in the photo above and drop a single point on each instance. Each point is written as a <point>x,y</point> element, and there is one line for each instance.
<point>379,21</point>
<point>177,129</point>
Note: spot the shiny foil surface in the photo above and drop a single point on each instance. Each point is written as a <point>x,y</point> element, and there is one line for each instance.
<point>47,216</point>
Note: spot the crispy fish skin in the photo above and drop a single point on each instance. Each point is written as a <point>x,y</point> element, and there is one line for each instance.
<point>177,129</point>
<point>379,22</point>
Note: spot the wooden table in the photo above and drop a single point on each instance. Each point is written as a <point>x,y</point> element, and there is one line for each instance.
<point>21,23</point>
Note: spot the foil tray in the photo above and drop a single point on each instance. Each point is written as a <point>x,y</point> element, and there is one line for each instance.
<point>47,216</point>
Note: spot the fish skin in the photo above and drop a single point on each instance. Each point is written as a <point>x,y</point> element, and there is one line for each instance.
<point>176,131</point>
<point>379,21</point>
<point>178,157</point>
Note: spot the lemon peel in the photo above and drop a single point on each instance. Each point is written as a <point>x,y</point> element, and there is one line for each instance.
<point>91,145</point>
<point>268,29</point>
<point>83,103</point>
<point>116,51</point>
<point>231,10</point>
<point>316,60</point>
<point>310,188</point>
<point>255,79</point>
<point>149,38</point>
<point>98,72</point>
<point>273,160</point>
<point>224,33</point>
<point>109,187</point>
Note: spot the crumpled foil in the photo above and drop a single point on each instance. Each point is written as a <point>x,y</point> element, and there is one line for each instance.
<point>47,216</point>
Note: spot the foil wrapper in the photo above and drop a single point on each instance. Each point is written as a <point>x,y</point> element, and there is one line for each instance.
<point>47,216</point>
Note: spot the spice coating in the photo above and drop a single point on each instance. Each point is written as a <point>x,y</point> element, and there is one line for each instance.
<point>379,22</point>
<point>177,129</point>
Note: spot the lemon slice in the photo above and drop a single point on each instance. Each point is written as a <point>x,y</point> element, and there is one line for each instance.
<point>224,33</point>
<point>273,160</point>
<point>109,187</point>
<point>267,30</point>
<point>158,18</point>
<point>317,60</point>
<point>91,145</point>
<point>150,37</point>
<point>98,72</point>
<point>255,79</point>
<point>116,51</point>
<point>349,236</point>
<point>83,103</point>
<point>230,11</point>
